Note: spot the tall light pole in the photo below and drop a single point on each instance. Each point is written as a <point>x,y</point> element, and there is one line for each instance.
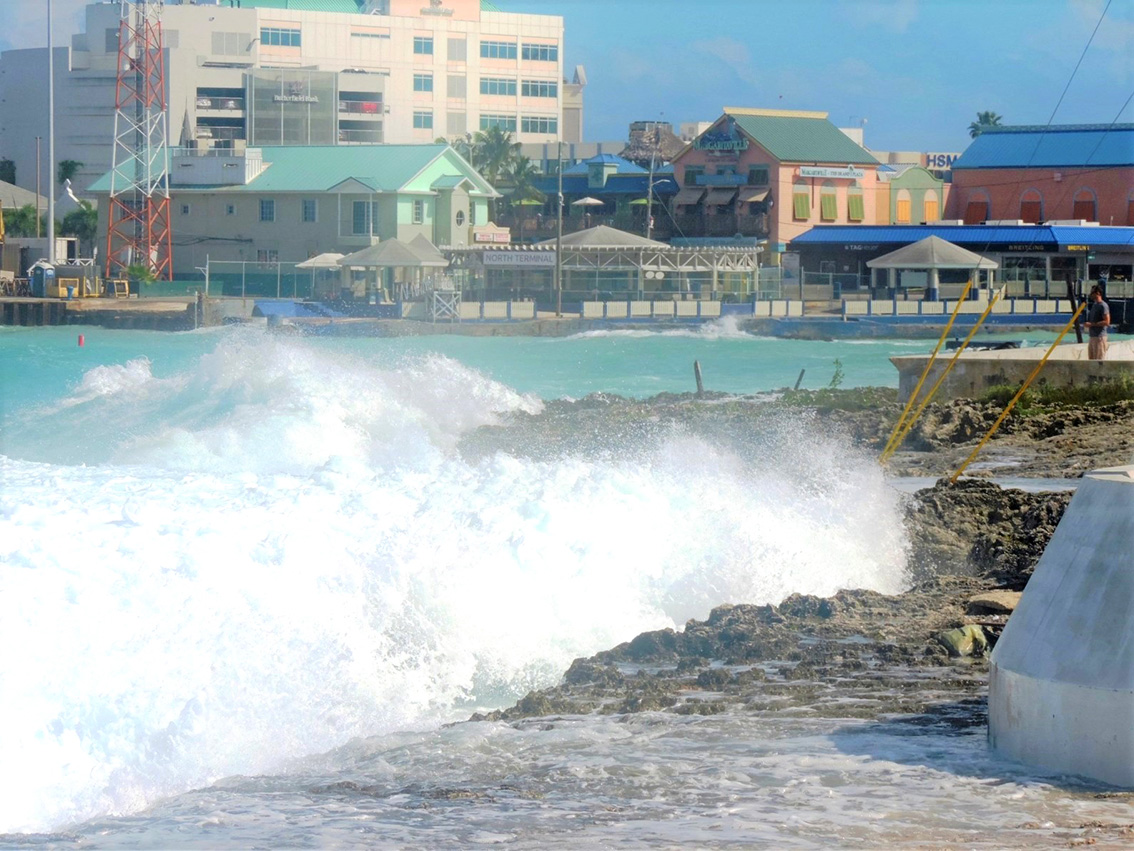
<point>650,187</point>
<point>50,141</point>
<point>38,169</point>
<point>559,234</point>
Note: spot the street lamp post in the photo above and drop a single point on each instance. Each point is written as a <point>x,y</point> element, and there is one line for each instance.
<point>50,141</point>
<point>559,234</point>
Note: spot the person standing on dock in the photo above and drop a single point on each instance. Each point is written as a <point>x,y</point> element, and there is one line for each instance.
<point>1098,318</point>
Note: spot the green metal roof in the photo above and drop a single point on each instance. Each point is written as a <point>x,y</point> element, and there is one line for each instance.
<point>383,168</point>
<point>349,6</point>
<point>802,140</point>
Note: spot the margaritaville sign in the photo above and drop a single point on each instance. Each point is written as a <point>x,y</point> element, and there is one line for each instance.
<point>849,172</point>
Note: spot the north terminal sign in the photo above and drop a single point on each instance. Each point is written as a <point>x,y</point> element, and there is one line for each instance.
<point>519,259</point>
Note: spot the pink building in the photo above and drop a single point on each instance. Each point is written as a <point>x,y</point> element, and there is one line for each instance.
<point>773,173</point>
<point>1043,174</point>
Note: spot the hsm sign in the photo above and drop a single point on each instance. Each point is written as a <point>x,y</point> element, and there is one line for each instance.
<point>940,160</point>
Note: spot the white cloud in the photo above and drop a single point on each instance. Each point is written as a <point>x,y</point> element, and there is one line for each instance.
<point>892,15</point>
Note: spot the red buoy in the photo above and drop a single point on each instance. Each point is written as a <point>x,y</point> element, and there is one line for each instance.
<point>81,341</point>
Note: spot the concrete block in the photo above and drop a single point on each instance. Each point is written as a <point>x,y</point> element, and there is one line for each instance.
<point>779,307</point>
<point>523,310</point>
<point>932,308</point>
<point>470,310</point>
<point>762,309</point>
<point>663,309</point>
<point>709,308</point>
<point>855,308</point>
<point>592,310</point>
<point>616,310</point>
<point>794,307</point>
<point>907,308</point>
<point>496,310</point>
<point>1045,305</point>
<point>641,309</point>
<point>1061,685</point>
<point>686,309</point>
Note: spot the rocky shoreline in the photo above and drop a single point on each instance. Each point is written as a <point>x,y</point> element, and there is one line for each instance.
<point>858,653</point>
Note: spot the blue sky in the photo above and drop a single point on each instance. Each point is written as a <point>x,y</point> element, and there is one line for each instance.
<point>917,71</point>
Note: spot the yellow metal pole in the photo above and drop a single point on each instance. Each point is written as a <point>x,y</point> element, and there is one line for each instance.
<point>925,372</point>
<point>909,424</point>
<point>1007,410</point>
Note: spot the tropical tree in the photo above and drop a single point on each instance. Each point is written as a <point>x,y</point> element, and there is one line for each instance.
<point>21,222</point>
<point>81,223</point>
<point>67,170</point>
<point>8,171</point>
<point>984,119</point>
<point>492,153</point>
<point>139,273</point>
<point>519,179</point>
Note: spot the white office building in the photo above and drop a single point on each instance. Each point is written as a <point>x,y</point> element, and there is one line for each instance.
<point>304,72</point>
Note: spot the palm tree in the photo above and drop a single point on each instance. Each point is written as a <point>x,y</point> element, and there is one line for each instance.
<point>21,222</point>
<point>81,223</point>
<point>492,152</point>
<point>983,119</point>
<point>68,169</point>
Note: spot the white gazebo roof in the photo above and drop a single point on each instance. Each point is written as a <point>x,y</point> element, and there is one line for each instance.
<point>933,252</point>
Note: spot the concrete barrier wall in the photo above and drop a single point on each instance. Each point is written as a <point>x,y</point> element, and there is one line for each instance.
<point>617,310</point>
<point>663,309</point>
<point>932,308</point>
<point>686,309</point>
<point>972,377</point>
<point>495,310</point>
<point>710,309</point>
<point>641,309</point>
<point>470,310</point>
<point>1061,686</point>
<point>763,309</point>
<point>523,310</point>
<point>592,310</point>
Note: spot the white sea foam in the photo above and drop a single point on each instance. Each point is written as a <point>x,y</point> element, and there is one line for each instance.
<point>723,328</point>
<point>280,549</point>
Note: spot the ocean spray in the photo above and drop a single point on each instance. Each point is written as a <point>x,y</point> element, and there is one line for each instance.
<point>278,549</point>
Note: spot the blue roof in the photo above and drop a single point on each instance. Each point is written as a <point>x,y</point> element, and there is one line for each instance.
<point>967,235</point>
<point>616,184</point>
<point>1058,146</point>
<point>624,166</point>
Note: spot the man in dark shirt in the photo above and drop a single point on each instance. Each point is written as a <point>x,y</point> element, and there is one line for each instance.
<point>1098,318</point>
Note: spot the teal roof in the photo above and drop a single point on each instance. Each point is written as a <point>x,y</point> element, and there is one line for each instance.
<point>349,6</point>
<point>302,168</point>
<point>802,139</point>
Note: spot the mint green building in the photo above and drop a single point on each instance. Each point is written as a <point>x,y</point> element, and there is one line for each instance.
<point>286,204</point>
<point>916,195</point>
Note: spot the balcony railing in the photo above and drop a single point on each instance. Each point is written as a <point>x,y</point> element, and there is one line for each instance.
<point>371,136</point>
<point>361,107</point>
<point>220,103</point>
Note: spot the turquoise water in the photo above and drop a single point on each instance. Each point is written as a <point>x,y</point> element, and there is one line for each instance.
<point>38,364</point>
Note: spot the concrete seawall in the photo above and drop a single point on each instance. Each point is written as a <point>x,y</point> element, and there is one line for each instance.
<point>1061,686</point>
<point>977,371</point>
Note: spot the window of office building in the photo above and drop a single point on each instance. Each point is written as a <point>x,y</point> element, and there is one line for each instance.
<point>423,82</point>
<point>279,37</point>
<point>828,202</point>
<point>856,208</point>
<point>801,201</point>
<point>903,205</point>
<point>422,119</point>
<point>423,45</point>
<point>540,52</point>
<point>418,211</point>
<point>758,175</point>
<point>1031,207</point>
<point>364,217</point>
<point>456,86</point>
<point>310,210</point>
<point>976,210</point>
<point>267,210</point>
<point>458,50</point>
<point>539,89</point>
<point>539,124</point>
<point>931,206</point>
<point>497,86</point>
<point>504,122</point>
<point>1084,207</point>
<point>497,50</point>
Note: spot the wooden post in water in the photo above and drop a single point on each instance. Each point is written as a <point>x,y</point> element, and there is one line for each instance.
<point>697,375</point>
<point>799,380</point>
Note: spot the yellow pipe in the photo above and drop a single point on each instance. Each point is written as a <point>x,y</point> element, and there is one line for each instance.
<point>887,454</point>
<point>1016,398</point>
<point>925,372</point>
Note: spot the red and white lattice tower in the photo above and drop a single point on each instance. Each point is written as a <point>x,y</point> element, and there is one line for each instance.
<point>138,226</point>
